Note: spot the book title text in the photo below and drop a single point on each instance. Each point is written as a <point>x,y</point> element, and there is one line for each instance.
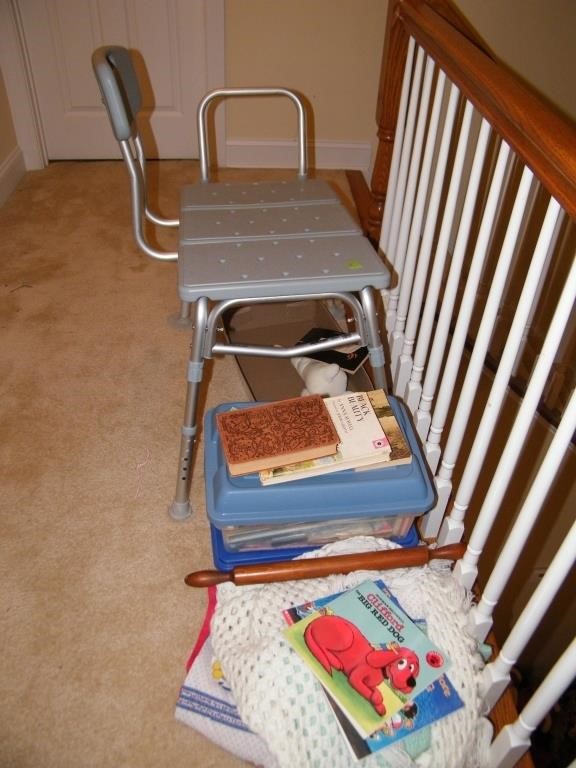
<point>360,408</point>
<point>383,614</point>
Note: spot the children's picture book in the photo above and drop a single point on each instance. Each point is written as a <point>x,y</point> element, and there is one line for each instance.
<point>438,700</point>
<point>271,434</point>
<point>349,357</point>
<point>368,654</point>
<point>362,441</point>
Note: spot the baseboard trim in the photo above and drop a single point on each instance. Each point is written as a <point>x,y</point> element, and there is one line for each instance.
<point>12,169</point>
<point>242,153</point>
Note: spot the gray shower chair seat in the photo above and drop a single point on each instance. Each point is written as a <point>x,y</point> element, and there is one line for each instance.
<point>244,244</point>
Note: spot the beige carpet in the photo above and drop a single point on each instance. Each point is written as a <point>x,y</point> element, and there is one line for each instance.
<point>96,621</point>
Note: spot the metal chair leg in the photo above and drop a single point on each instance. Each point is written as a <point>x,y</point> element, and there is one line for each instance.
<point>374,342</point>
<point>181,508</point>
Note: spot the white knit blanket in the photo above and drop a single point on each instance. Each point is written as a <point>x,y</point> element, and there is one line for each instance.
<point>280,699</point>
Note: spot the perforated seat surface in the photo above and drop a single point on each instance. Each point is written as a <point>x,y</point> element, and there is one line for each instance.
<point>297,265</point>
<point>304,242</point>
<point>242,244</point>
<point>212,195</point>
<point>254,223</point>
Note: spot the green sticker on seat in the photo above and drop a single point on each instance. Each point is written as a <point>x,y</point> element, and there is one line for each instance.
<point>354,264</point>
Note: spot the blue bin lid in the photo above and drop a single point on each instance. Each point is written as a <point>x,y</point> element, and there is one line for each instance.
<point>401,490</point>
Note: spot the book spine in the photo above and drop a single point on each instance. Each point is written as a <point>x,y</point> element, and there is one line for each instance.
<point>399,447</point>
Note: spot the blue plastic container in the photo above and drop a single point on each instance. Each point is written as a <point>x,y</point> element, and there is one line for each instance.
<point>225,560</point>
<point>291,517</point>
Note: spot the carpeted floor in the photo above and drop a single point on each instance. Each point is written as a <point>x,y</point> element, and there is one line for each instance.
<point>96,621</point>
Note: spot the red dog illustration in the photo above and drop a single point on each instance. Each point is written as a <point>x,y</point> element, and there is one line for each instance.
<point>338,644</point>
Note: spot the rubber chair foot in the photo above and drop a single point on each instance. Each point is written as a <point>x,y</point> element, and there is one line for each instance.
<point>180,510</point>
<point>177,321</point>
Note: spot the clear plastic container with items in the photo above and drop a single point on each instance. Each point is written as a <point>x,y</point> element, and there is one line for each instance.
<point>252,522</point>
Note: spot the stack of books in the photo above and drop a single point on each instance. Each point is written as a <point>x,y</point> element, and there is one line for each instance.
<point>383,678</point>
<point>309,436</point>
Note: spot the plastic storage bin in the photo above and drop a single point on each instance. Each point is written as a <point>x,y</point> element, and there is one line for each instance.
<point>226,560</point>
<point>249,517</point>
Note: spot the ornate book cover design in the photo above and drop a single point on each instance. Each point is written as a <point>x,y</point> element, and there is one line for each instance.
<point>275,433</point>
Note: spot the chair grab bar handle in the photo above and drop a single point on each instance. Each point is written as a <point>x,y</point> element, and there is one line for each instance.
<point>300,350</point>
<point>224,93</point>
<point>139,212</point>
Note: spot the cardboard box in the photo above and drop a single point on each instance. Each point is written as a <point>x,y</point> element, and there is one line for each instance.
<point>284,324</point>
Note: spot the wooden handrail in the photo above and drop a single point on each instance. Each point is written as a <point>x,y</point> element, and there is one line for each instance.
<point>454,16</point>
<point>541,135</point>
<point>370,204</point>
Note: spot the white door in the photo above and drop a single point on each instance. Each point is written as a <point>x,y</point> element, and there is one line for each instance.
<point>177,46</point>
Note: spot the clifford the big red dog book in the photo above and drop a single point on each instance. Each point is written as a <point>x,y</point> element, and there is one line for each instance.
<point>367,653</point>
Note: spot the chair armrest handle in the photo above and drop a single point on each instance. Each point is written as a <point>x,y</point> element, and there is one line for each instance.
<point>227,92</point>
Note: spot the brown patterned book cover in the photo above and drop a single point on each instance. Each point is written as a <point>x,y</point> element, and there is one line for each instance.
<point>267,436</point>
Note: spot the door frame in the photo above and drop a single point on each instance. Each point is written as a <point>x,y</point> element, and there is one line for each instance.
<point>17,73</point>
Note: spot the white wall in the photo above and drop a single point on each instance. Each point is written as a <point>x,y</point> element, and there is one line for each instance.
<point>535,38</point>
<point>11,161</point>
<point>330,51</point>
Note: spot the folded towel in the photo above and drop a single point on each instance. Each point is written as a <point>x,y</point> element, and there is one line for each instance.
<point>206,704</point>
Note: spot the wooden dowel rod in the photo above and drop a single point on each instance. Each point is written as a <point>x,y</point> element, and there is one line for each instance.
<point>311,568</point>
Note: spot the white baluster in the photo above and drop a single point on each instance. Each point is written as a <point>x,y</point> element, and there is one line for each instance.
<point>452,365</point>
<point>551,251</point>
<point>516,440</point>
<point>393,178</point>
<point>402,194</point>
<point>476,364</point>
<point>404,369</point>
<point>500,386</point>
<point>496,675</point>
<point>423,415</point>
<point>514,740</point>
<point>412,214</point>
<point>445,396</point>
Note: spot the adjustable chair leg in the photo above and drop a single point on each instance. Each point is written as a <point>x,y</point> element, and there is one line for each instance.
<point>181,508</point>
<point>375,346</point>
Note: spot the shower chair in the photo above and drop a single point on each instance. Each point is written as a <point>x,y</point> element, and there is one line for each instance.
<point>246,244</point>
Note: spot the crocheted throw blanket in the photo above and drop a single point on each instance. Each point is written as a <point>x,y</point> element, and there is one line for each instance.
<point>281,700</point>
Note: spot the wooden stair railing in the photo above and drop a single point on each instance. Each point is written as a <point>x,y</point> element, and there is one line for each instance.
<point>532,137</point>
<point>538,133</point>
